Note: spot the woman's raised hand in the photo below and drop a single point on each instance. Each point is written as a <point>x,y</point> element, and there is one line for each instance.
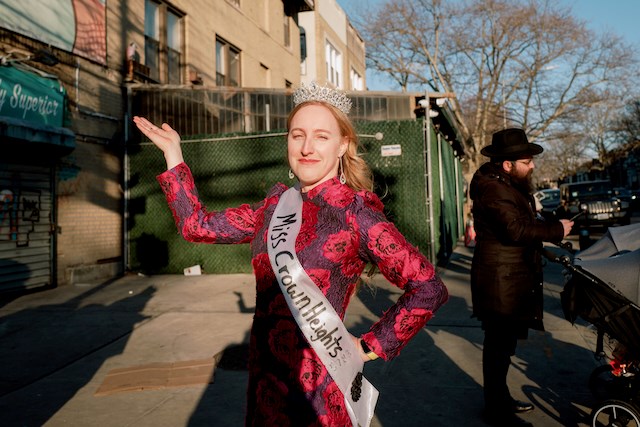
<point>165,138</point>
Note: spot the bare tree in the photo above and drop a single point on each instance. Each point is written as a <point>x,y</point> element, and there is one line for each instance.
<point>398,53</point>
<point>525,63</point>
<point>629,124</point>
<point>599,124</point>
<point>563,156</point>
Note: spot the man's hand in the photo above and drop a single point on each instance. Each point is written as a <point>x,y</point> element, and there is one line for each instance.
<point>567,224</point>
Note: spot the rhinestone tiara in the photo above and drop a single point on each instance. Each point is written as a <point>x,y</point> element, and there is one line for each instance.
<point>315,92</point>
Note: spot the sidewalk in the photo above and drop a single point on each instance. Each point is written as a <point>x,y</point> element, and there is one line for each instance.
<point>59,345</point>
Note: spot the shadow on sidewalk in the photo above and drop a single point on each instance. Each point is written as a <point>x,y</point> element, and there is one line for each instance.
<point>41,341</point>
<point>437,379</point>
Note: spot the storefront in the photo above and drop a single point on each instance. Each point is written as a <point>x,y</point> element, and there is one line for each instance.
<point>33,139</point>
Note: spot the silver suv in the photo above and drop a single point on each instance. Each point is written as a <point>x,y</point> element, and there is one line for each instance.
<point>596,201</point>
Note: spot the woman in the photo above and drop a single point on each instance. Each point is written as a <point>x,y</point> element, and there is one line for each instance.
<point>342,228</point>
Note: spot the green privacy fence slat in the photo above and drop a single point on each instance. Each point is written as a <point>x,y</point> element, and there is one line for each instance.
<point>241,169</point>
<point>450,209</point>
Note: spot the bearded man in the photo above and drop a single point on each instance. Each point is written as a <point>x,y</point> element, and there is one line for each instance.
<point>506,272</point>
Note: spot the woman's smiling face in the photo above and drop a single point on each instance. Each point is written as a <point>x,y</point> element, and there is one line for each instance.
<point>314,145</point>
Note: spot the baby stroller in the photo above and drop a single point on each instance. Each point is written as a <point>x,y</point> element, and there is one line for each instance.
<point>603,288</point>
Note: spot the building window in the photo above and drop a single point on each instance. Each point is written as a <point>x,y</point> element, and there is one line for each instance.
<point>334,65</point>
<point>303,51</point>
<point>303,44</point>
<point>174,47</point>
<point>152,38</point>
<point>227,64</point>
<point>287,31</point>
<point>356,80</point>
<point>163,42</point>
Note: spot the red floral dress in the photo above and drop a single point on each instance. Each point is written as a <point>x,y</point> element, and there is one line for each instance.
<point>342,230</point>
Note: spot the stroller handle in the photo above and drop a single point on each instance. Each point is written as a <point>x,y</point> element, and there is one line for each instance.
<point>560,259</point>
<point>568,264</point>
<point>567,246</point>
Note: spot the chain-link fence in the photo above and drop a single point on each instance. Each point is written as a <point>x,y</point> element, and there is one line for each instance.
<point>230,170</point>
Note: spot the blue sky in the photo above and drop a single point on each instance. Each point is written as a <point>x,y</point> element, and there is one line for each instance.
<point>617,16</point>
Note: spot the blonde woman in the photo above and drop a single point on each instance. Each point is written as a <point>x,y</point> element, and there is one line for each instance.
<point>310,244</point>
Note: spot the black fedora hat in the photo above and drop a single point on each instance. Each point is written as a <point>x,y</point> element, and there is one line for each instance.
<point>511,144</point>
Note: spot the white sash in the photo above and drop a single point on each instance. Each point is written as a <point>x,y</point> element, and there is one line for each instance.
<point>315,316</point>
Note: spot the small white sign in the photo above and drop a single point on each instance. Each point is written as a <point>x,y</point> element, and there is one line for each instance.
<point>194,270</point>
<point>391,150</point>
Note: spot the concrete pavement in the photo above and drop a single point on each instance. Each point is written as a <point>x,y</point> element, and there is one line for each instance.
<point>58,346</point>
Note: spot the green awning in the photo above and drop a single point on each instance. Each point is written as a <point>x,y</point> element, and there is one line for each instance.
<point>28,95</point>
<point>34,133</point>
<point>32,112</point>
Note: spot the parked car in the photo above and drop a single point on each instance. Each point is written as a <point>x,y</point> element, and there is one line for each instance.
<point>596,201</point>
<point>626,195</point>
<point>547,201</point>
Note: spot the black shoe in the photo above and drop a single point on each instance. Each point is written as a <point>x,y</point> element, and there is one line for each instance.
<point>519,406</point>
<point>505,420</point>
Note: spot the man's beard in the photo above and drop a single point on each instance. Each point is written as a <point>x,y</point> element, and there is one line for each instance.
<point>523,182</point>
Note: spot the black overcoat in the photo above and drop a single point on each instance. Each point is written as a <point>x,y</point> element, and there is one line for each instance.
<point>506,272</point>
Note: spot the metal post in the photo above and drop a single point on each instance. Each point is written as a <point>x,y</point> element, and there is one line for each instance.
<point>267,117</point>
<point>126,247</point>
<point>428,180</point>
<point>459,219</point>
<point>246,112</point>
<point>428,176</point>
<point>441,192</point>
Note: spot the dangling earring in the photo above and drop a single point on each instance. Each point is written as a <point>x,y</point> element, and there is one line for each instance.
<point>343,179</point>
<point>291,175</point>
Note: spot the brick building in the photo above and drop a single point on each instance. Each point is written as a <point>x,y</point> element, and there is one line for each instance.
<point>64,72</point>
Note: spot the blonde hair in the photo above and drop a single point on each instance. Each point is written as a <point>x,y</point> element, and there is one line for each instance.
<point>356,171</point>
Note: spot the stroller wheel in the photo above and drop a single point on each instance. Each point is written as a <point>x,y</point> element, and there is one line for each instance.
<point>615,413</point>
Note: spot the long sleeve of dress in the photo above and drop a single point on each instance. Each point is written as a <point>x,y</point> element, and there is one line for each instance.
<point>404,266</point>
<point>195,224</point>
